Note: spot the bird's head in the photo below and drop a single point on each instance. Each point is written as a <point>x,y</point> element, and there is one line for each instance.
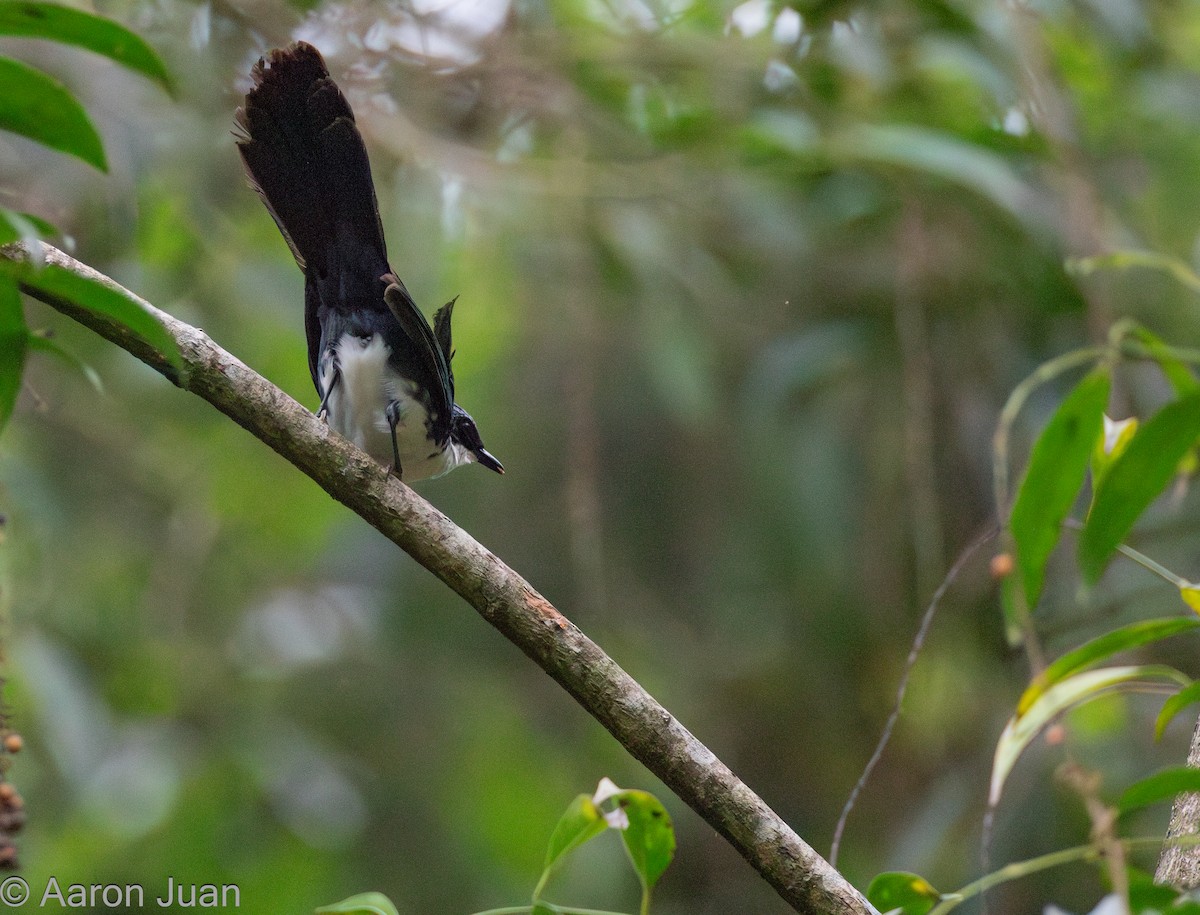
<point>464,433</point>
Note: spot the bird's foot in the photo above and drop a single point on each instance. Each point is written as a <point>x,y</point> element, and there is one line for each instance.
<point>393,420</point>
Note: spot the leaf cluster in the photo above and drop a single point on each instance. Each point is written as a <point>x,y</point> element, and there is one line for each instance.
<point>39,107</point>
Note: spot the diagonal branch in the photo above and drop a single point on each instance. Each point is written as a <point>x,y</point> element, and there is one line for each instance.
<point>501,596</point>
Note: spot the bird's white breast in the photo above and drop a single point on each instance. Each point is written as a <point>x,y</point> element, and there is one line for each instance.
<point>357,410</point>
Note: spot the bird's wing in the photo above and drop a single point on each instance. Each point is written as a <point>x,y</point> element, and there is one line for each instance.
<point>425,350</point>
<point>441,331</point>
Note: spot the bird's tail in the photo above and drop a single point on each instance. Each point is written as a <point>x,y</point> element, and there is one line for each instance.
<point>306,159</point>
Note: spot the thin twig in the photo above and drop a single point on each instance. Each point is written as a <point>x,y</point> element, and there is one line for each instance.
<point>1020,869</point>
<point>913,653</point>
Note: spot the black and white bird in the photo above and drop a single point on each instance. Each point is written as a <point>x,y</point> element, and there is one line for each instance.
<point>382,373</point>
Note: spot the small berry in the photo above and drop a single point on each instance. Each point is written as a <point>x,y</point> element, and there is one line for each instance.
<point>1002,565</point>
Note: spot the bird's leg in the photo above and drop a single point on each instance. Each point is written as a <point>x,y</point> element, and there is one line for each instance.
<point>393,420</point>
<point>323,409</point>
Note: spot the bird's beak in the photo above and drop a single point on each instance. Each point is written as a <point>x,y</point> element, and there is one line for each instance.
<point>485,459</point>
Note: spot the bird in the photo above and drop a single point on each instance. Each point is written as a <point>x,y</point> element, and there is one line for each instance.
<point>382,373</point>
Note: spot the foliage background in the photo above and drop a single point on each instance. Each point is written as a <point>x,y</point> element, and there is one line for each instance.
<point>743,290</point>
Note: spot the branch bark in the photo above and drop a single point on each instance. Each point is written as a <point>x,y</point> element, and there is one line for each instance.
<point>1179,865</point>
<point>502,597</point>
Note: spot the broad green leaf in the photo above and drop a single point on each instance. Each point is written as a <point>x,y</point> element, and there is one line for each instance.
<point>1189,464</point>
<point>102,299</point>
<point>1161,786</point>
<point>912,894</point>
<point>1181,377</point>
<point>1144,893</point>
<point>44,228</point>
<point>12,318</point>
<point>942,155</point>
<point>40,344</point>
<point>362,904</point>
<point>1174,705</point>
<point>1023,728</point>
<point>649,837</point>
<point>24,227</point>
<point>16,227</point>
<point>792,133</point>
<point>1102,647</point>
<point>1135,479</point>
<point>581,822</point>
<point>75,27</point>
<point>1057,467</point>
<point>13,338</point>
<point>36,106</point>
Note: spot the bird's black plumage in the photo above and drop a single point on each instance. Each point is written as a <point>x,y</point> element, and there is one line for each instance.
<point>305,157</point>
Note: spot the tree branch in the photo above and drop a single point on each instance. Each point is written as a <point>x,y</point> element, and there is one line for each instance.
<point>646,729</point>
<point>1179,864</point>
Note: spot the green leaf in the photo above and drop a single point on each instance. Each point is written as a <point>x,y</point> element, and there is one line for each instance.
<point>16,227</point>
<point>75,27</point>
<point>942,155</point>
<point>581,822</point>
<point>1161,786</point>
<point>96,296</point>
<point>39,344</point>
<point>362,904</point>
<point>1135,479</point>
<point>649,837</point>
<point>1174,705</point>
<point>1057,467</point>
<point>12,318</point>
<point>1181,377</point>
<point>912,894</point>
<point>44,229</point>
<point>1082,687</point>
<point>1144,893</point>
<point>1104,646</point>
<point>24,227</point>
<point>13,338</point>
<point>36,106</point>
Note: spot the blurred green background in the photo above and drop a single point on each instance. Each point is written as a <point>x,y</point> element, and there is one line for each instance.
<point>743,290</point>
